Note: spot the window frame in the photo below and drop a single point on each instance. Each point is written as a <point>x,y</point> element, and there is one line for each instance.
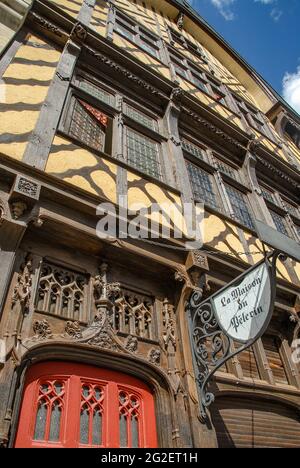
<point>279,206</point>
<point>139,34</point>
<point>192,69</point>
<point>119,120</point>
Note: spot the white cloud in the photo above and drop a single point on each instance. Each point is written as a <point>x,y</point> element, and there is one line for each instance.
<point>225,8</point>
<point>291,89</point>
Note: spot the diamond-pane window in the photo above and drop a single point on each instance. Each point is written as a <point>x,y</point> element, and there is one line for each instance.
<point>279,222</point>
<point>86,127</point>
<point>193,149</point>
<point>268,195</point>
<point>142,153</point>
<point>226,169</point>
<point>239,206</point>
<point>140,117</point>
<point>97,92</point>
<point>202,185</point>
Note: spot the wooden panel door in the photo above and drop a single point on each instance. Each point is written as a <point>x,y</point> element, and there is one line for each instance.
<point>68,405</point>
<point>246,423</point>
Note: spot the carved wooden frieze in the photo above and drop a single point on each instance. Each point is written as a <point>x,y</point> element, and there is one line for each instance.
<point>26,187</point>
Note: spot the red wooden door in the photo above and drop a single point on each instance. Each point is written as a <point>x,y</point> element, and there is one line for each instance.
<point>68,405</point>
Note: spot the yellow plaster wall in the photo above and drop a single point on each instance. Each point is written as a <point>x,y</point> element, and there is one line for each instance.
<point>83,169</point>
<point>23,91</point>
<point>70,7</point>
<point>99,17</point>
<point>141,191</point>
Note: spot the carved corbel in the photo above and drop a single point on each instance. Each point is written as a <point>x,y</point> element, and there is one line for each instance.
<point>180,21</point>
<point>79,33</point>
<point>196,266</point>
<point>250,165</point>
<point>23,196</point>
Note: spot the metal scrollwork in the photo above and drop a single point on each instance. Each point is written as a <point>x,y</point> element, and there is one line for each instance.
<point>211,345</point>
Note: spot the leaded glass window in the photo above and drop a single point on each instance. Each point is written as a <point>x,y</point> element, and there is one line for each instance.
<point>149,43</point>
<point>97,92</point>
<point>239,206</point>
<point>202,185</point>
<point>141,117</point>
<point>226,169</point>
<point>178,66</point>
<point>142,153</point>
<point>91,414</point>
<point>129,419</point>
<point>49,411</point>
<point>193,149</point>
<point>124,26</point>
<point>279,222</point>
<point>268,195</point>
<point>292,209</point>
<point>132,31</point>
<point>86,126</point>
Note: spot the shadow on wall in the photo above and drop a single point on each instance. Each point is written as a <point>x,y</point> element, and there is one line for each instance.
<point>12,15</point>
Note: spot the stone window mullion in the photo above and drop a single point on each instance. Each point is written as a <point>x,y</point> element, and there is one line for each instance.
<point>223,196</point>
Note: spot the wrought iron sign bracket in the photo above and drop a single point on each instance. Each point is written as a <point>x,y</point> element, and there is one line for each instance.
<point>212,344</point>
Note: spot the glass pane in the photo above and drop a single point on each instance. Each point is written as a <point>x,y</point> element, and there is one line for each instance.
<point>86,128</point>
<point>84,425</point>
<point>239,206</point>
<point>142,153</point>
<point>193,149</point>
<point>202,185</point>
<point>40,424</point>
<point>55,422</point>
<point>135,432</point>
<point>98,393</point>
<point>58,388</point>
<point>98,92</point>
<point>85,391</point>
<point>140,117</point>
<point>97,428</point>
<point>123,431</point>
<point>279,222</point>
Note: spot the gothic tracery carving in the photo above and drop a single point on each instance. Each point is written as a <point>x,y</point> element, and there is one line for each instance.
<point>61,292</point>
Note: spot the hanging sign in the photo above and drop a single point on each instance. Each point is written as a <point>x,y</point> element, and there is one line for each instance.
<point>243,308</point>
<point>230,321</point>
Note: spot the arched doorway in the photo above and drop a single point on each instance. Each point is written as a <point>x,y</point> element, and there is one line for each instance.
<point>70,405</point>
<point>245,422</point>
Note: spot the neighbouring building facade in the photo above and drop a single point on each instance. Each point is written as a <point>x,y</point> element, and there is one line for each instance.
<point>108,99</point>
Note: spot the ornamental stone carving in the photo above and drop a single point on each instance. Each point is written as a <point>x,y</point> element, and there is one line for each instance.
<point>154,356</point>
<point>131,344</point>
<point>27,188</point>
<point>42,330</point>
<point>73,330</point>
<point>18,209</point>
<point>22,290</point>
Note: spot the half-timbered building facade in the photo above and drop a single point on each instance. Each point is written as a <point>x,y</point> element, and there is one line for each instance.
<point>106,100</point>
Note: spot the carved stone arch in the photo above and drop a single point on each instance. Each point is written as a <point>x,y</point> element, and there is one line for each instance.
<point>152,375</point>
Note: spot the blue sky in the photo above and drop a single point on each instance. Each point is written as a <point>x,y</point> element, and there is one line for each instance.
<point>266,33</point>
